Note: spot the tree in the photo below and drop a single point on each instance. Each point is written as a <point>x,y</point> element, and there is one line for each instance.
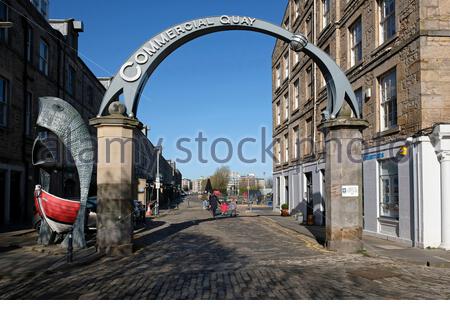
<point>220,179</point>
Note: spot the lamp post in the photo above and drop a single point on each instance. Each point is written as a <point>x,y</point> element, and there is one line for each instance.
<point>157,180</point>
<point>6,24</point>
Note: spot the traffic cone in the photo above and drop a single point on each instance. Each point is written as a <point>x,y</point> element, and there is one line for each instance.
<point>149,212</point>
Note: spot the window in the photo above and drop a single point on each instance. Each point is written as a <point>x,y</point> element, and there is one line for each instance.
<point>388,98</point>
<point>356,42</point>
<point>43,57</point>
<point>389,204</point>
<point>286,106</point>
<point>286,24</point>
<point>323,81</point>
<point>286,65</point>
<point>90,96</point>
<point>309,28</point>
<point>309,136</point>
<point>29,44</point>
<point>359,99</point>
<point>278,159</point>
<point>70,81</point>
<point>278,191</point>
<point>4,101</point>
<point>3,18</point>
<point>296,58</point>
<point>296,142</point>
<point>297,8</point>
<point>29,114</point>
<point>278,75</point>
<point>326,6</point>
<point>278,111</point>
<point>41,6</point>
<point>296,94</point>
<point>44,8</point>
<point>309,83</point>
<point>286,148</point>
<point>387,19</point>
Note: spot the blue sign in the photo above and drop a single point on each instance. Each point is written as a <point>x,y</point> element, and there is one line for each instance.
<point>373,156</point>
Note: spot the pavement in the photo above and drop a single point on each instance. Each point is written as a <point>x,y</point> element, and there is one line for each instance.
<point>373,246</point>
<point>186,254</point>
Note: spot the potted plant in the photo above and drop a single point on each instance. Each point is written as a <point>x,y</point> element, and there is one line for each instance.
<point>284,210</point>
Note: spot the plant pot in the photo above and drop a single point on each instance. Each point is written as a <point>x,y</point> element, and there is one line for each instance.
<point>284,212</point>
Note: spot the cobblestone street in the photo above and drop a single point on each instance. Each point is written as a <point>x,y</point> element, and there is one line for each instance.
<point>188,255</point>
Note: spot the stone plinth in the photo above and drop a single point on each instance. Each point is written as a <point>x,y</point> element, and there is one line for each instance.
<point>116,183</point>
<point>344,208</point>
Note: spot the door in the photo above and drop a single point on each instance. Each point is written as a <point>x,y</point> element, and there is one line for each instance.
<point>309,194</point>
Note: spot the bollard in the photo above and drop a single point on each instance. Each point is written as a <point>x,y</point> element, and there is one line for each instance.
<point>70,247</point>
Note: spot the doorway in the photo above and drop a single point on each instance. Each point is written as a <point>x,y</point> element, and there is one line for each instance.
<point>309,194</point>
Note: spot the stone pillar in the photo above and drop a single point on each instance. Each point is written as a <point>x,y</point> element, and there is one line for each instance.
<point>343,182</point>
<point>116,183</point>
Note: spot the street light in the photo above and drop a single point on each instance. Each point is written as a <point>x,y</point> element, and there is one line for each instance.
<point>6,24</point>
<point>158,179</point>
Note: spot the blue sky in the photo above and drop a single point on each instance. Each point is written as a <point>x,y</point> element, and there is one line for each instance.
<point>219,84</point>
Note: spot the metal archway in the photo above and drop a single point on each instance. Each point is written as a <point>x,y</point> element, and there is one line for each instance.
<point>134,74</point>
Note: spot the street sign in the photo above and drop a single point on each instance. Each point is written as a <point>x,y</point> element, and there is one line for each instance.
<point>158,185</point>
<point>350,191</point>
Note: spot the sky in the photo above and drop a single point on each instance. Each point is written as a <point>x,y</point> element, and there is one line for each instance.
<point>219,84</point>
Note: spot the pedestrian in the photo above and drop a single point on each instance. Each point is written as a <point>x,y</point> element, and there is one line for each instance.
<point>214,203</point>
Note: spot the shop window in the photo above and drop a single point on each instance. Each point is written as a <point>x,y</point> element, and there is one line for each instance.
<point>389,202</point>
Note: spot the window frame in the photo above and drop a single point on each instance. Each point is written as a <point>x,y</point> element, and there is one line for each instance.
<point>278,75</point>
<point>286,147</point>
<point>4,32</point>
<point>388,101</point>
<point>356,45</point>
<point>296,94</point>
<point>360,99</point>
<point>44,61</point>
<point>286,66</point>
<point>296,141</point>
<point>71,80</point>
<point>326,13</point>
<point>296,9</point>
<point>278,112</point>
<point>309,83</point>
<point>393,190</point>
<point>5,104</point>
<point>30,47</point>
<point>286,106</point>
<point>29,114</point>
<point>278,151</point>
<point>384,21</point>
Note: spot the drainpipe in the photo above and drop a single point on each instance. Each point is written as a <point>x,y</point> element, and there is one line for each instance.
<point>24,210</point>
<point>314,41</point>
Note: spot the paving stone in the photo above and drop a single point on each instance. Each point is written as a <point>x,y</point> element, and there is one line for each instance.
<point>239,258</point>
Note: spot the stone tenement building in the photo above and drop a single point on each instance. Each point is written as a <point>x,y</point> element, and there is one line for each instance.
<point>396,54</point>
<point>38,57</point>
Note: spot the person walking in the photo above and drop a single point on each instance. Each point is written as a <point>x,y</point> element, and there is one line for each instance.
<point>214,203</point>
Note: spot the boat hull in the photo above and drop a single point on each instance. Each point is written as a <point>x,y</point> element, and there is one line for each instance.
<point>59,213</point>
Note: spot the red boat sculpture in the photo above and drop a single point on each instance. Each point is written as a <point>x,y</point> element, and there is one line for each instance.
<point>59,213</point>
